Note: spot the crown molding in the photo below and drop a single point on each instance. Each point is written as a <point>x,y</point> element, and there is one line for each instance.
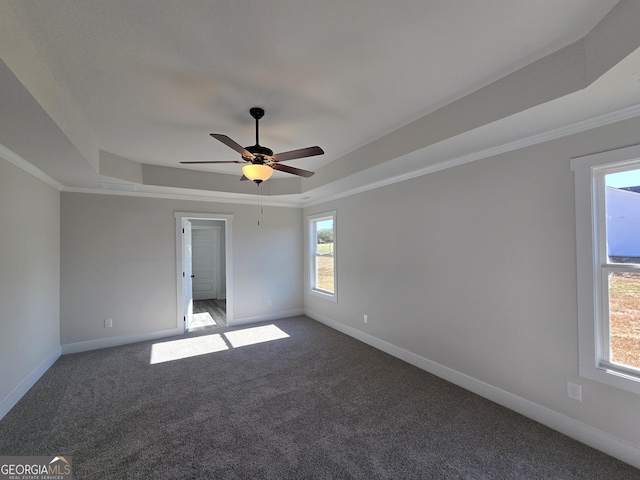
<point>553,134</point>
<point>22,164</point>
<point>174,196</point>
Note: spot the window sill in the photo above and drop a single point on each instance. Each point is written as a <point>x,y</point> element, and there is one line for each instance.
<point>326,295</point>
<point>613,378</point>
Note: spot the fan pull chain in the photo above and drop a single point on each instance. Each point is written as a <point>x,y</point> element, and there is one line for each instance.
<point>260,211</point>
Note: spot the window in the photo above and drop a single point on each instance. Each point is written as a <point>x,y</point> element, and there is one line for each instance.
<point>608,246</point>
<point>322,265</point>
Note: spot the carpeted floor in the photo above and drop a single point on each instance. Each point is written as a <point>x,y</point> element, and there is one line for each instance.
<point>290,399</point>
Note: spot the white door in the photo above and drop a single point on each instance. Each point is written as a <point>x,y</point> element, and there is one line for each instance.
<point>187,292</point>
<point>206,262</point>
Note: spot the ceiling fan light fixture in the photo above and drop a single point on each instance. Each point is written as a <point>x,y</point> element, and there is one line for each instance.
<point>257,172</point>
<point>256,155</point>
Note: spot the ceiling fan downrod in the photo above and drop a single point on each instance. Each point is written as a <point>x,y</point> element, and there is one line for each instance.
<point>258,150</point>
<point>257,113</point>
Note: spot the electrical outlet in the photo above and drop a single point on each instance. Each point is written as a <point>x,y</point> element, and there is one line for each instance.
<point>108,323</point>
<point>574,391</point>
<point>365,319</point>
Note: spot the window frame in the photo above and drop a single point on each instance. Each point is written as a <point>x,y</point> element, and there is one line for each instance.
<point>593,266</point>
<point>312,221</point>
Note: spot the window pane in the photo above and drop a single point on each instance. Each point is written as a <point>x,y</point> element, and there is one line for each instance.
<point>322,264</point>
<point>622,202</point>
<point>624,318</point>
<point>324,274</point>
<point>324,236</point>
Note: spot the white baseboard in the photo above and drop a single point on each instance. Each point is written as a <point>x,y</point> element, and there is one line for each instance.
<point>267,318</point>
<point>117,341</point>
<point>142,337</point>
<point>586,434</point>
<point>17,393</point>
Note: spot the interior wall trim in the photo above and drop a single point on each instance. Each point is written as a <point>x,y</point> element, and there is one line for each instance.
<point>268,317</point>
<point>117,341</point>
<point>573,128</point>
<point>17,393</point>
<point>21,163</point>
<point>553,134</point>
<point>89,345</point>
<point>174,196</point>
<point>586,434</point>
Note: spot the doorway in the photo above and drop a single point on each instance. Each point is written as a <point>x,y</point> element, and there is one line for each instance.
<point>208,313</point>
<point>204,270</point>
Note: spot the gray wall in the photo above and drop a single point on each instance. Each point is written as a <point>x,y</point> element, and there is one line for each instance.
<point>118,260</point>
<point>29,280</point>
<point>474,268</point>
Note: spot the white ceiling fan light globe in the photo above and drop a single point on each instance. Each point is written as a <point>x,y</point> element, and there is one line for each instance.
<point>257,172</point>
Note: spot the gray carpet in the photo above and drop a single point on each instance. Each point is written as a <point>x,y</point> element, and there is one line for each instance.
<point>315,404</point>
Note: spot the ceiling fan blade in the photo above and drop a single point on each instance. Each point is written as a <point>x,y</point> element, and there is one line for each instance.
<point>301,153</point>
<point>293,170</point>
<point>231,143</point>
<point>213,161</point>
<point>243,178</point>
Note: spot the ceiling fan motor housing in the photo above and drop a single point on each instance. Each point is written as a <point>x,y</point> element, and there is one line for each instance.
<point>259,152</point>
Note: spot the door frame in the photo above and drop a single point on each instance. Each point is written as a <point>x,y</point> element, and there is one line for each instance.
<point>187,287</point>
<point>181,217</point>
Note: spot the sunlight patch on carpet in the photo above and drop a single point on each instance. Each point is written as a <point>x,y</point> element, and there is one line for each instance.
<point>192,347</point>
<point>185,348</point>
<point>251,336</point>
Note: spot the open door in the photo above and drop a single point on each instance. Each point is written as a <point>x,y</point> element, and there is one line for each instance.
<point>187,274</point>
<point>185,222</point>
<point>205,243</point>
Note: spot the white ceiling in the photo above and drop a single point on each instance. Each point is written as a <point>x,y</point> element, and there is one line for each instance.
<point>148,80</point>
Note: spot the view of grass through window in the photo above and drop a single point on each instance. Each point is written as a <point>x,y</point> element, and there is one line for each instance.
<point>624,318</point>
<point>325,273</point>
<point>324,256</point>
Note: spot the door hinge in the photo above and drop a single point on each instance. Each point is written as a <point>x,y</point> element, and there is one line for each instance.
<point>183,230</point>
<point>184,319</point>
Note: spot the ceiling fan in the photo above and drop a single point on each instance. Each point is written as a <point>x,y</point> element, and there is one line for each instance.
<point>260,162</point>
